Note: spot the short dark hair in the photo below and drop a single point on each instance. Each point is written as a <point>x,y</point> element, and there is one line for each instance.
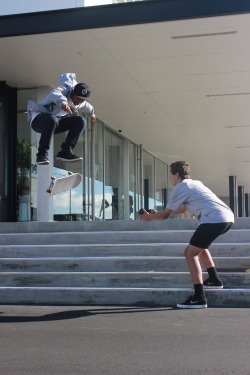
<point>182,167</point>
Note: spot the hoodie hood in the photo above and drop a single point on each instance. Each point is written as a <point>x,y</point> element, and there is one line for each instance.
<point>68,79</point>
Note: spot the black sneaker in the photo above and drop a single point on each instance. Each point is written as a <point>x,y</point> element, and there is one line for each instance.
<point>69,157</point>
<point>193,303</point>
<point>207,284</point>
<point>42,160</point>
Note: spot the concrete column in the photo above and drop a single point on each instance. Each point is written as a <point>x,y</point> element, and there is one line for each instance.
<point>241,203</point>
<point>164,197</point>
<point>140,174</point>
<point>247,204</point>
<point>233,195</point>
<point>146,194</point>
<point>44,201</point>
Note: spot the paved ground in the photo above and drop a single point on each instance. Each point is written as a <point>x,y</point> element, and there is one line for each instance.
<point>99,340</point>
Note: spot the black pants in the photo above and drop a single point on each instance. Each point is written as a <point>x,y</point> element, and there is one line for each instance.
<point>47,125</point>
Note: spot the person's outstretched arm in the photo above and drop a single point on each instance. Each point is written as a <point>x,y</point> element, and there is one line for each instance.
<point>161,215</point>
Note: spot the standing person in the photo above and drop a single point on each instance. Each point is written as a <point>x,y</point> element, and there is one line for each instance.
<point>58,113</point>
<point>215,218</point>
<point>115,204</point>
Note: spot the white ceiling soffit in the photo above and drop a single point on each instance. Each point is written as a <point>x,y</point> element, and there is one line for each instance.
<point>179,88</point>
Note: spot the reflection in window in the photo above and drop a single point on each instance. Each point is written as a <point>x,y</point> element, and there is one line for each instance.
<point>26,169</point>
<point>114,194</point>
<point>99,171</point>
<point>161,184</point>
<point>132,180</point>
<point>68,205</point>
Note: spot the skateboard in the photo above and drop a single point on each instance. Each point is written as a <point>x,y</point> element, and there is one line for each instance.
<point>62,184</point>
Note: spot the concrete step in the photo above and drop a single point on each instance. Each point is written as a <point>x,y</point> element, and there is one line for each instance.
<point>119,296</point>
<point>121,264</point>
<point>98,226</point>
<point>132,249</point>
<point>110,225</point>
<point>166,236</point>
<point>116,279</point>
<point>116,263</point>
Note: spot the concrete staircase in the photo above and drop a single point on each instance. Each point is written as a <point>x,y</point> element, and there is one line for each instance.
<point>116,263</point>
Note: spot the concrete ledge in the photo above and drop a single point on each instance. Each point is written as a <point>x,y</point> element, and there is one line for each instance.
<point>150,236</point>
<point>121,264</point>
<point>107,250</point>
<point>96,226</point>
<point>119,296</point>
<point>115,279</point>
<point>117,225</point>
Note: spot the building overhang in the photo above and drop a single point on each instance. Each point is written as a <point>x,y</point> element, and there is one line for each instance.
<point>117,15</point>
<point>172,75</point>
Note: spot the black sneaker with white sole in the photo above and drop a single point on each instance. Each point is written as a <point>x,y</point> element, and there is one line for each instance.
<point>69,157</point>
<point>42,160</point>
<point>208,284</point>
<point>193,303</point>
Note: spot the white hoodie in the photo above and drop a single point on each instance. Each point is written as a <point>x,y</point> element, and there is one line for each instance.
<point>56,98</point>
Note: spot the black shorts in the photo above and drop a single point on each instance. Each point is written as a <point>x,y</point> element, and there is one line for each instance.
<point>205,234</point>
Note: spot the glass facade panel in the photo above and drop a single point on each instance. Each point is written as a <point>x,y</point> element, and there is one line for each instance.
<point>87,202</point>
<point>99,171</point>
<point>69,206</point>
<point>26,169</point>
<point>122,172</point>
<point>132,181</point>
<point>161,184</point>
<point>114,194</point>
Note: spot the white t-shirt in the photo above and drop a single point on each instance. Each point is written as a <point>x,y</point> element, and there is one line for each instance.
<point>200,202</point>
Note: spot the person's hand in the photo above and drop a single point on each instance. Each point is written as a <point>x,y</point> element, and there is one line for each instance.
<point>145,216</point>
<point>68,109</point>
<point>93,118</point>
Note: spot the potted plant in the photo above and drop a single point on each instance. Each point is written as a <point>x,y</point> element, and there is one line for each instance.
<point>24,164</point>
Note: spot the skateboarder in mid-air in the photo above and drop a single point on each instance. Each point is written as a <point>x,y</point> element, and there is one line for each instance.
<point>58,113</point>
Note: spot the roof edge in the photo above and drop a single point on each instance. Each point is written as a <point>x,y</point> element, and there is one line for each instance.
<point>117,15</point>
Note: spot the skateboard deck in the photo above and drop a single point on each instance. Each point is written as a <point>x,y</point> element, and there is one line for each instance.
<point>62,184</point>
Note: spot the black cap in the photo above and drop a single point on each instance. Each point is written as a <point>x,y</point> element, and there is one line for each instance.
<point>81,90</point>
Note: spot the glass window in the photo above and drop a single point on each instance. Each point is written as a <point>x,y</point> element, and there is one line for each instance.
<point>99,171</point>
<point>114,194</point>
<point>70,205</point>
<point>161,184</point>
<point>26,169</point>
<point>132,181</point>
<point>143,183</point>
